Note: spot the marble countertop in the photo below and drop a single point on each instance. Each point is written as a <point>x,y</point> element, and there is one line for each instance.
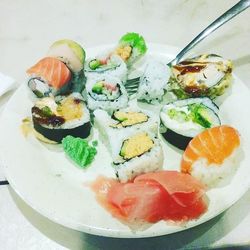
<point>28,28</point>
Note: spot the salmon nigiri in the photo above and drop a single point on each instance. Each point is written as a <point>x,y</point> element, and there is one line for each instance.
<point>48,75</point>
<point>212,155</point>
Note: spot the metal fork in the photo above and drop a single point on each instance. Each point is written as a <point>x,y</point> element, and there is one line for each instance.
<point>132,84</point>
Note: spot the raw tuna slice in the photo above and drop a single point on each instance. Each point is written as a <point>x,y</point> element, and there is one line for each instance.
<point>165,195</point>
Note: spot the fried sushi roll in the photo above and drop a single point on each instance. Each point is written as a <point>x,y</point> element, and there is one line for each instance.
<point>106,93</point>
<point>183,119</point>
<point>53,119</point>
<point>204,75</point>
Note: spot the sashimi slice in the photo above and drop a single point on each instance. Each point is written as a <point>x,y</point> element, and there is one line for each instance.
<point>52,70</point>
<point>183,188</point>
<point>151,198</point>
<point>140,201</point>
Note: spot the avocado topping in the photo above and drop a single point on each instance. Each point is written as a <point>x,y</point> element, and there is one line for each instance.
<point>196,113</point>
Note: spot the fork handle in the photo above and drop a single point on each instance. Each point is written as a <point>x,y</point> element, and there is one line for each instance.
<point>235,10</point>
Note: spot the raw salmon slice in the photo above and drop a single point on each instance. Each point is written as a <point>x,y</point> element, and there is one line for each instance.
<point>52,70</point>
<point>214,145</point>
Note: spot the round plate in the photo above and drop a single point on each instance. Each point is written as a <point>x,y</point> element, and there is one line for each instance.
<point>55,187</point>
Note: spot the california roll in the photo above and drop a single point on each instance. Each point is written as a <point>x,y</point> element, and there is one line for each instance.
<point>107,93</point>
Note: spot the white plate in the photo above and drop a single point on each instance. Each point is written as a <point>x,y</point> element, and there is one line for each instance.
<point>53,186</point>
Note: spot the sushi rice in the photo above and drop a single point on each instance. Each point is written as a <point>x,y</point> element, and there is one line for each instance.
<point>114,138</point>
<point>105,92</point>
<point>114,66</point>
<point>153,82</point>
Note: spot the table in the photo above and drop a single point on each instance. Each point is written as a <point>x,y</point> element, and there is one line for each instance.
<point>27,28</point>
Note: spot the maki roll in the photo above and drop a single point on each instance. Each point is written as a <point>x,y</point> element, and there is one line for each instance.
<point>106,93</point>
<point>69,52</point>
<point>153,82</point>
<point>125,121</point>
<point>106,65</point>
<point>55,118</point>
<point>138,153</point>
<point>183,119</point>
<point>73,55</point>
<point>131,137</point>
<point>48,77</point>
<point>131,47</point>
<point>204,75</point>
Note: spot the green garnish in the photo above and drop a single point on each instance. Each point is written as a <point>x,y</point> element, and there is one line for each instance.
<point>94,64</point>
<point>98,87</point>
<point>79,150</point>
<point>38,93</point>
<point>135,40</point>
<point>180,116</point>
<point>47,111</point>
<point>199,115</point>
<point>94,143</point>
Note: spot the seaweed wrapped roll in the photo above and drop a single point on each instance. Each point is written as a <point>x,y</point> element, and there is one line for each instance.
<point>184,119</point>
<point>106,93</point>
<point>55,118</point>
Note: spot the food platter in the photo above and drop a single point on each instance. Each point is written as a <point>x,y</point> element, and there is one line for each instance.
<point>55,187</point>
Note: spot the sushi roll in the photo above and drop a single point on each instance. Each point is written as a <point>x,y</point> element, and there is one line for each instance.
<point>106,93</point>
<point>103,65</point>
<point>138,153</point>
<point>213,155</point>
<point>183,119</point>
<point>125,121</point>
<point>204,75</point>
<point>69,52</point>
<point>73,55</point>
<point>131,48</point>
<point>49,77</point>
<point>131,138</point>
<point>55,118</point>
<point>153,82</point>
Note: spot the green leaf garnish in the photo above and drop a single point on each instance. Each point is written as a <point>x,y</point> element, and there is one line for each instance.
<point>135,40</point>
